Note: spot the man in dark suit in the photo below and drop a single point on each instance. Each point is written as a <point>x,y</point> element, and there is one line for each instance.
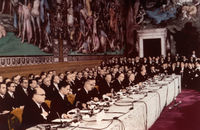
<point>141,77</point>
<point>54,84</point>
<point>118,83</point>
<point>100,77</point>
<point>130,81</point>
<point>21,93</point>
<point>3,104</point>
<point>60,103</point>
<point>32,85</point>
<point>152,71</point>
<point>178,68</point>
<point>79,82</point>
<point>69,80</point>
<point>10,96</point>
<point>4,110</point>
<point>196,75</point>
<point>36,111</point>
<point>48,90</point>
<point>87,93</point>
<point>106,87</point>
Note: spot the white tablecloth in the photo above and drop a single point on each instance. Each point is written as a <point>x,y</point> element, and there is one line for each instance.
<point>144,113</point>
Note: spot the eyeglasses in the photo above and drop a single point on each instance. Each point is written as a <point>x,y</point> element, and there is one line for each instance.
<point>41,94</point>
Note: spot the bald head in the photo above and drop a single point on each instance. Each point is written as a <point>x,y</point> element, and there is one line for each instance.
<point>39,95</point>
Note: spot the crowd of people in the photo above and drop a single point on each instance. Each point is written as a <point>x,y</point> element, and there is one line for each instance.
<point>113,75</point>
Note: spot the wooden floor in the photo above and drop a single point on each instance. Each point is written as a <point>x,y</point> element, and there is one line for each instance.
<point>8,72</point>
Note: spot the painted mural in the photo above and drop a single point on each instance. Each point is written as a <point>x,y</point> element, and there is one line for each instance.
<point>93,27</point>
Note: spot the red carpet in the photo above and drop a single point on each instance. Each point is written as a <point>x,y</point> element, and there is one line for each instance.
<point>184,117</point>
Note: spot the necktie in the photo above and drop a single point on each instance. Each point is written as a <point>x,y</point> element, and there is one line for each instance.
<point>65,98</point>
<point>40,109</point>
<point>25,90</point>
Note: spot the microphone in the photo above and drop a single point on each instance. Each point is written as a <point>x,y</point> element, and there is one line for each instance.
<point>77,104</point>
<point>62,125</point>
<point>59,117</point>
<point>175,105</point>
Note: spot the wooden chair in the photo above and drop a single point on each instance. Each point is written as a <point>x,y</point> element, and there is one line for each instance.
<point>15,119</point>
<point>71,98</point>
<point>48,102</point>
<point>97,87</point>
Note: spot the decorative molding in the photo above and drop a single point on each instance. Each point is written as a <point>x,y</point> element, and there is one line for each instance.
<point>21,61</point>
<point>159,33</point>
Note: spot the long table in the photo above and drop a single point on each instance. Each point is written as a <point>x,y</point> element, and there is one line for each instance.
<point>135,112</point>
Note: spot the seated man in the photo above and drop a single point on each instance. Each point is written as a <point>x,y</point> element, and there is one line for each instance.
<point>87,93</point>
<point>36,111</point>
<point>32,85</point>
<point>152,71</point>
<point>60,103</point>
<point>105,87</point>
<point>118,83</point>
<point>10,96</point>
<point>4,110</point>
<point>130,81</point>
<point>141,76</point>
<point>21,93</point>
<point>46,85</point>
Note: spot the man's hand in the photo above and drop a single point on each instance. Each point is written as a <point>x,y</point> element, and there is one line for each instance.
<point>45,114</point>
<point>5,112</point>
<point>66,116</point>
<point>84,106</point>
<point>21,107</point>
<point>109,94</point>
<point>123,90</point>
<point>96,99</point>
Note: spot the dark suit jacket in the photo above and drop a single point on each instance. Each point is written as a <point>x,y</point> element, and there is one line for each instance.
<point>140,78</point>
<point>48,91</point>
<point>104,88</point>
<point>99,79</point>
<point>171,70</point>
<point>32,115</point>
<point>78,84</point>
<point>10,101</point>
<point>73,87</point>
<point>117,85</point>
<point>196,79</point>
<point>54,89</point>
<point>152,73</point>
<point>21,97</point>
<point>177,70</point>
<point>83,97</point>
<point>128,83</point>
<point>60,106</point>
<point>30,91</point>
<point>3,104</point>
